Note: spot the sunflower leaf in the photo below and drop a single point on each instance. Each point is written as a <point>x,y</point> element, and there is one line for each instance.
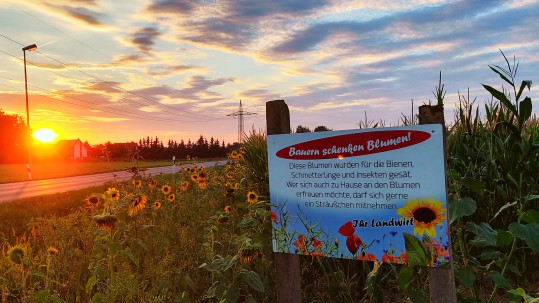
<point>253,279</point>
<point>467,275</point>
<point>528,233</point>
<point>499,279</point>
<point>461,208</point>
<point>484,234</point>
<point>417,252</point>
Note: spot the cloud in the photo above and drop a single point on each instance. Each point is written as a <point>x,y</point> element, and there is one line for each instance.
<point>88,16</point>
<point>143,39</point>
<point>173,69</point>
<point>259,95</point>
<point>105,119</point>
<point>181,7</point>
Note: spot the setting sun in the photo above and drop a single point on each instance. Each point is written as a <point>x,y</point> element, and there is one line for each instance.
<point>45,135</point>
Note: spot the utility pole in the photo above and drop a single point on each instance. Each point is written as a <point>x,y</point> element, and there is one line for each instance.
<point>30,48</point>
<point>240,113</point>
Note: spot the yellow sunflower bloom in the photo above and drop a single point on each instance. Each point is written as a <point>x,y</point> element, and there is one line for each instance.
<point>156,205</point>
<point>252,197</point>
<point>184,185</point>
<point>427,214</point>
<point>113,193</point>
<point>16,254</point>
<point>171,197</point>
<point>137,183</point>
<point>194,177</point>
<point>202,175</point>
<point>137,203</point>
<point>236,185</point>
<point>166,189</point>
<point>202,184</point>
<point>53,251</point>
<point>228,209</point>
<point>92,200</point>
<point>234,154</point>
<point>152,184</point>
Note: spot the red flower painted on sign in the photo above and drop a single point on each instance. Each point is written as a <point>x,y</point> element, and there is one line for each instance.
<point>347,229</point>
<point>353,242</point>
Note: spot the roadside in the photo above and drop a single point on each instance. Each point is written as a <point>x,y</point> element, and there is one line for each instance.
<point>19,190</point>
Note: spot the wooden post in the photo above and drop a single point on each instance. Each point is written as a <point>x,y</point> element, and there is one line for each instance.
<point>441,280</point>
<point>286,265</point>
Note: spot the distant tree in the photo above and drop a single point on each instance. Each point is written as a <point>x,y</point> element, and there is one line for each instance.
<point>321,128</point>
<point>302,129</point>
<point>15,138</point>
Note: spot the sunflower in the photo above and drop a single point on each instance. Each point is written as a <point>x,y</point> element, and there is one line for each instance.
<point>427,214</point>
<point>166,189</point>
<point>234,154</point>
<point>230,175</point>
<point>156,205</point>
<point>92,200</point>
<point>202,184</point>
<point>228,209</point>
<point>53,251</point>
<point>16,254</point>
<point>237,185</point>
<point>137,203</point>
<point>202,175</point>
<point>194,177</point>
<point>171,197</point>
<point>184,185</point>
<point>106,221</point>
<point>113,193</point>
<point>152,184</point>
<point>252,197</point>
<point>137,183</point>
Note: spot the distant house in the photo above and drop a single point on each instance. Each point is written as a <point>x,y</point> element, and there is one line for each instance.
<point>72,149</point>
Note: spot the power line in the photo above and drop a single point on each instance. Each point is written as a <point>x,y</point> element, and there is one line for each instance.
<point>190,114</point>
<point>121,112</point>
<point>132,101</point>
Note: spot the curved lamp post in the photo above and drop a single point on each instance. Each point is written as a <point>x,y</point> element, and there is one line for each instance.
<point>30,47</point>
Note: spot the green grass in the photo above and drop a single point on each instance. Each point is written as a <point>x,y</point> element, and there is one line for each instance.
<point>17,172</point>
<point>15,215</point>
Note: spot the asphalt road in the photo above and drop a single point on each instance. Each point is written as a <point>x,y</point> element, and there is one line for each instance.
<point>19,190</point>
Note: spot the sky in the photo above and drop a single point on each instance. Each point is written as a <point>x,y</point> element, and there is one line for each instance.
<point>119,71</point>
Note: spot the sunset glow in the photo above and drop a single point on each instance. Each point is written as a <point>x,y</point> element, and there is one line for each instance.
<point>122,71</point>
<point>45,135</point>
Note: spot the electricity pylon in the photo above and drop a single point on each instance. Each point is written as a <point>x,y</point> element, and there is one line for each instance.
<point>240,113</point>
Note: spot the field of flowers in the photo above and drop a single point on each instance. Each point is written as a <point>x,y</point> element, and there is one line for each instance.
<point>204,234</point>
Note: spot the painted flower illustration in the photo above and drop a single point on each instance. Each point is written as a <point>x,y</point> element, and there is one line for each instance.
<point>353,242</point>
<point>427,214</point>
<point>274,217</point>
<point>301,244</point>
<point>367,257</point>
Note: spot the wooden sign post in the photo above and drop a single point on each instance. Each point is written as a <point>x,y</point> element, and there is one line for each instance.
<point>441,280</point>
<point>286,265</point>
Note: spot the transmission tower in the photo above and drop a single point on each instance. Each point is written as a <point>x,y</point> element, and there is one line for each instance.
<point>240,113</point>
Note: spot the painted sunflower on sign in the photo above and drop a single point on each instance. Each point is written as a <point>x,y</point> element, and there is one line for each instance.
<point>427,214</point>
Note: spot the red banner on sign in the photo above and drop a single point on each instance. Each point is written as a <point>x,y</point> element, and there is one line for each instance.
<point>351,145</point>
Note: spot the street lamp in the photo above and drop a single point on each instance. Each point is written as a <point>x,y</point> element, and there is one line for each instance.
<point>30,48</point>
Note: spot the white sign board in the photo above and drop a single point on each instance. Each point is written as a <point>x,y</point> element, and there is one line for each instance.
<point>355,193</point>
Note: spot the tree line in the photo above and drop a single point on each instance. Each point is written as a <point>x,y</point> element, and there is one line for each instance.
<point>15,138</point>
<point>148,148</point>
